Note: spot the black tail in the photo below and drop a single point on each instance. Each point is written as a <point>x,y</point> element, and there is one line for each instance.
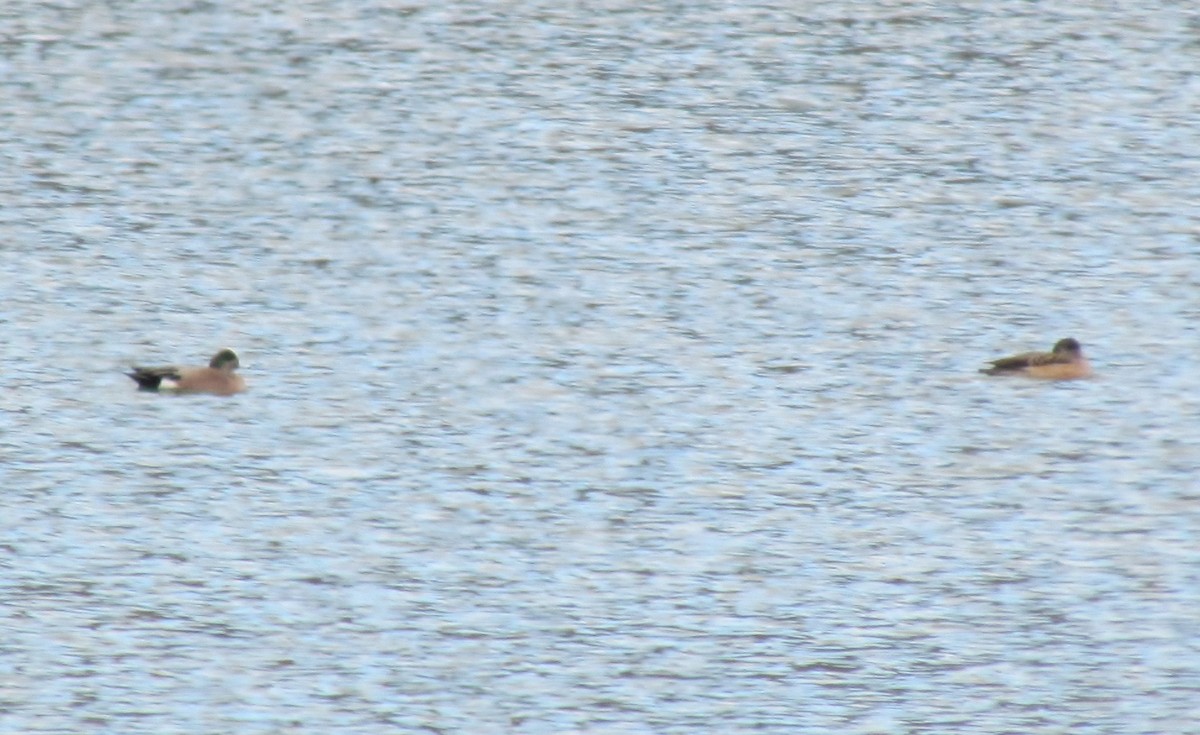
<point>151,378</point>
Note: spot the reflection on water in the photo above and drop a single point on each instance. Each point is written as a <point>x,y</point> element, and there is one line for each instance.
<point>612,369</point>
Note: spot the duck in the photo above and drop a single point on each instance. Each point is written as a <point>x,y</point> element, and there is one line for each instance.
<point>1065,361</point>
<point>218,378</point>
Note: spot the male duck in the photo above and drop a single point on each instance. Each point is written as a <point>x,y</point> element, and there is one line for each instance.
<point>218,378</point>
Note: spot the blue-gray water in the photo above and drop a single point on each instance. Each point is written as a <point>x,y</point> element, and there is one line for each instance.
<point>612,367</point>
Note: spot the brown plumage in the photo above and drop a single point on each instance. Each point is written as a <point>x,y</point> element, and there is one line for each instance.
<point>1064,362</point>
<point>218,378</point>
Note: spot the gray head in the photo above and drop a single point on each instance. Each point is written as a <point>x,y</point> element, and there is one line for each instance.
<point>226,359</point>
<point>1068,346</point>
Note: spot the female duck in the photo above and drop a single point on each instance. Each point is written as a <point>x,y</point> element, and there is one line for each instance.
<point>1064,362</point>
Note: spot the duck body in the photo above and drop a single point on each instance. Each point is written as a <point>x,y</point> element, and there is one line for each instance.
<point>217,378</point>
<point>1064,362</point>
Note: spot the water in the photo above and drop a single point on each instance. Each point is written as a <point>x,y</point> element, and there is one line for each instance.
<point>612,368</point>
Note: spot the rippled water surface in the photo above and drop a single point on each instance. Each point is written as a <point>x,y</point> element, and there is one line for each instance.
<point>613,367</point>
